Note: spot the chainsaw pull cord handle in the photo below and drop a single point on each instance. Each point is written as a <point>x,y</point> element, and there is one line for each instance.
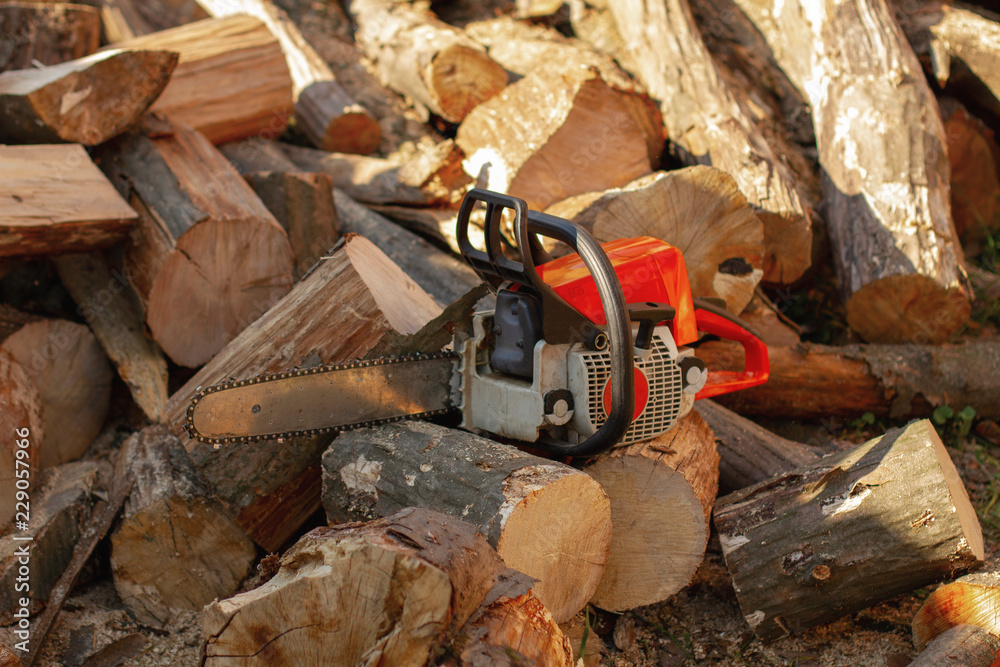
<point>493,267</point>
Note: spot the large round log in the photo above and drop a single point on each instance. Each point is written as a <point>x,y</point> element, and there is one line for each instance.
<point>548,520</point>
<point>969,600</point>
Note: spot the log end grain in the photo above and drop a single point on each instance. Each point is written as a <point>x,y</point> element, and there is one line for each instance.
<point>334,123</point>
<point>970,600</point>
<point>460,78</point>
<point>907,309</point>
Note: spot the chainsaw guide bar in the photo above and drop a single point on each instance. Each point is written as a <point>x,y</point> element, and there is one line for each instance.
<point>380,391</point>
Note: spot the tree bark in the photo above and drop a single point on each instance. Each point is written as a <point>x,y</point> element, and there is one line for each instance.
<point>969,600</point>
<point>125,19</point>
<point>848,531</point>
<point>272,487</point>
<point>175,547</point>
<point>961,646</point>
<point>661,493</point>
<point>46,33</point>
<point>432,63</point>
<point>210,89</point>
<point>324,111</point>
<point>708,122</point>
<point>886,190</point>
<point>207,258</point>
<point>811,381</point>
<point>528,508</point>
<point>698,210</point>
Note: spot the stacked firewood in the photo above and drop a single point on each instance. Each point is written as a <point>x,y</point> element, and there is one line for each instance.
<point>219,202</point>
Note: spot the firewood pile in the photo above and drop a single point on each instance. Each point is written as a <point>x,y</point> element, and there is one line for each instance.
<point>198,191</point>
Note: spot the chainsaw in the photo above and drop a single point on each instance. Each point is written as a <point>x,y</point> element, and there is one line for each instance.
<point>580,353</point>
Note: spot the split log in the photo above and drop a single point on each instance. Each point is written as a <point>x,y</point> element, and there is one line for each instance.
<point>431,176</point>
<point>211,91</point>
<point>175,547</point>
<point>46,33</point>
<point>9,658</point>
<point>811,381</point>
<point>22,409</point>
<point>661,493</point>
<point>60,506</point>
<point>272,487</point>
<point>54,199</point>
<point>437,225</point>
<point>708,122</point>
<point>87,101</point>
<point>432,63</point>
<point>394,591</point>
<point>594,24</point>
<point>749,453</point>
<point>969,600</point>
<point>514,631</point>
<point>73,378</point>
<point>125,19</point>
<point>256,154</point>
<point>528,508</point>
<point>886,190</point>
<point>699,210</point>
<point>771,326</point>
<point>99,294</point>
<point>323,109</point>
<point>587,140</point>
<point>206,257</point>
<point>303,203</point>
<point>961,646</point>
<point>848,531</point>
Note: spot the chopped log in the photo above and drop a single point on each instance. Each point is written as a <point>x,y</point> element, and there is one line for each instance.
<point>674,475</point>
<point>175,547</point>
<point>432,63</point>
<point>22,409</point>
<point>884,198</point>
<point>60,506</point>
<point>272,487</point>
<point>87,101</point>
<point>961,646</point>
<point>594,24</point>
<point>587,140</point>
<point>969,600</point>
<point>323,109</point>
<point>848,531</point>
<point>514,631</point>
<point>770,325</point>
<point>256,154</point>
<point>210,89</point>
<point>709,123</point>
<point>125,19</point>
<point>389,592</point>
<point>73,378</point>
<point>54,199</point>
<point>437,225</point>
<point>99,294</point>
<point>206,257</point>
<point>8,658</point>
<point>303,203</point>
<point>528,508</point>
<point>48,34</point>
<point>698,210</point>
<point>812,381</point>
<point>432,176</point>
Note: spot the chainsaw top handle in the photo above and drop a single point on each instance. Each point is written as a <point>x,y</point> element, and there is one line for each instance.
<point>561,323</point>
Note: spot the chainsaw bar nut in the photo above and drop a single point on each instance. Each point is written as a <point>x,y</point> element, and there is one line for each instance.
<point>558,407</point>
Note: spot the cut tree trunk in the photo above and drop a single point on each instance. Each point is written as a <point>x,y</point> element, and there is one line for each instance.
<point>125,19</point>
<point>886,189</point>
<point>21,417</point>
<point>708,122</point>
<point>206,258</point>
<point>175,547</point>
<point>303,203</point>
<point>46,33</point>
<point>970,600</point>
<point>661,493</point>
<point>99,294</point>
<point>60,505</point>
<point>514,631</point>
<point>698,210</point>
<point>961,646</point>
<point>87,101</point>
<point>435,65</point>
<point>812,381</point>
<point>323,110</point>
<point>528,508</point>
<point>211,90</point>
<point>53,199</point>
<point>272,487</point>
<point>848,531</point>
<point>390,592</point>
<point>73,378</point>
<point>431,176</point>
<point>588,139</point>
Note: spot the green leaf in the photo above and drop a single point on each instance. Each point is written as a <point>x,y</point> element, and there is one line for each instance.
<point>942,413</point>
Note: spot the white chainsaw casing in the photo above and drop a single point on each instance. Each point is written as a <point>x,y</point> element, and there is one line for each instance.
<point>514,407</point>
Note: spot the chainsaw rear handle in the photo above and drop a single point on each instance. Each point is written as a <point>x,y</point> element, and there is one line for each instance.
<point>716,320</point>
<point>561,323</point>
